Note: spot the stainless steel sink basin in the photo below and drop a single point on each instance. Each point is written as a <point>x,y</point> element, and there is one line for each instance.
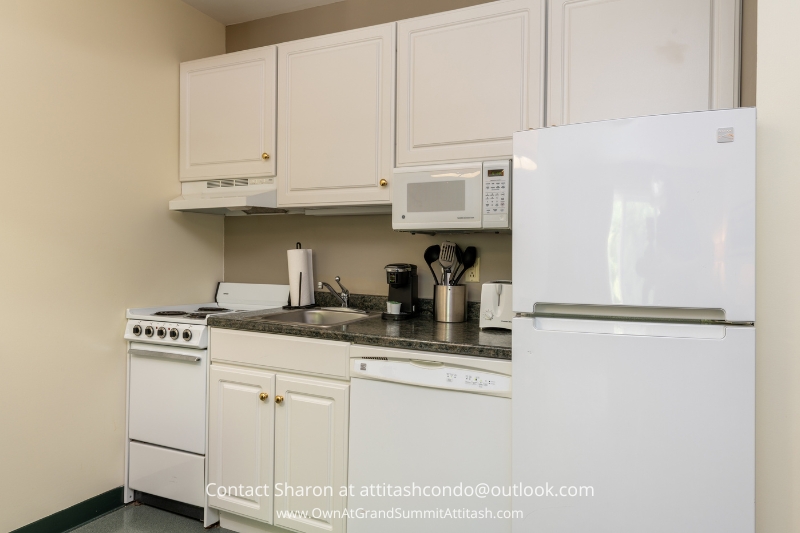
<point>322,318</point>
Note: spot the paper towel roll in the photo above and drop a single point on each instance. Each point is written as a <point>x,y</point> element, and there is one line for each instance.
<point>300,261</point>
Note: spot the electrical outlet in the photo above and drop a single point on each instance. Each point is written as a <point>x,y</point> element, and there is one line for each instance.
<point>473,275</point>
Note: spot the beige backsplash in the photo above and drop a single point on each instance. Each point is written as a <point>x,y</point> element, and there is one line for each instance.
<point>356,248</point>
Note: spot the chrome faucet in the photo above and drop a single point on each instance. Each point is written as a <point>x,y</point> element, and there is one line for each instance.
<point>344,297</point>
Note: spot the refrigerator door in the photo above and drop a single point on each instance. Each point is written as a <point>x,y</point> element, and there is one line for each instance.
<point>654,211</point>
<point>658,419</point>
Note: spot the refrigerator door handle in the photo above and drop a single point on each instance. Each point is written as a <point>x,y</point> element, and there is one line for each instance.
<point>629,311</point>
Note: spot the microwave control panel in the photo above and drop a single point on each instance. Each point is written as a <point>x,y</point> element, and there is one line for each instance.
<point>496,205</point>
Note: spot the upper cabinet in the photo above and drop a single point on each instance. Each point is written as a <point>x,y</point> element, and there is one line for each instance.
<point>335,118</point>
<point>626,58</point>
<point>467,80</point>
<point>228,115</point>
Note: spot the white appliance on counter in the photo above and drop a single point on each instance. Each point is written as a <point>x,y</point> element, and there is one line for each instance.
<point>634,361</point>
<point>428,420</point>
<point>167,381</point>
<point>496,307</point>
<point>456,197</point>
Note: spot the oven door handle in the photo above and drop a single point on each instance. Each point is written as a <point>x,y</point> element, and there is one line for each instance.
<point>165,355</point>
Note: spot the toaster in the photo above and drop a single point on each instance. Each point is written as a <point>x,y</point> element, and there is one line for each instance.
<point>496,309</point>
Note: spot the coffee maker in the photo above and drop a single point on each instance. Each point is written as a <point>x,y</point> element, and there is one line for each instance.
<point>402,280</point>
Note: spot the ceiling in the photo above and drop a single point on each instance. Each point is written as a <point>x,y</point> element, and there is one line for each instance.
<point>236,11</point>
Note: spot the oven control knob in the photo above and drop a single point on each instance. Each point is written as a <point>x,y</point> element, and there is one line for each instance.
<point>173,334</point>
<point>161,332</point>
<point>187,334</point>
<point>137,330</point>
<point>148,331</point>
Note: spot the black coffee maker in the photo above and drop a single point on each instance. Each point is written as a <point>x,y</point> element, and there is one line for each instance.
<point>402,280</point>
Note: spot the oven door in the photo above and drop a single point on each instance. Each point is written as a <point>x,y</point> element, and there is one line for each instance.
<point>438,198</point>
<point>168,396</point>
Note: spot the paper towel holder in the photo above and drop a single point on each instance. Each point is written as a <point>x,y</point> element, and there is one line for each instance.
<point>289,305</point>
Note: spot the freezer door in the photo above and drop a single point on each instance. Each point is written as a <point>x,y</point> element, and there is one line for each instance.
<point>658,419</point>
<point>652,211</point>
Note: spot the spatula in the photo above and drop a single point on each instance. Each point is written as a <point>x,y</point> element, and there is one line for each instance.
<point>447,258</point>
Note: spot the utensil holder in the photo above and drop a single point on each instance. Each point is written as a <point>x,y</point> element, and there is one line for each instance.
<point>450,303</point>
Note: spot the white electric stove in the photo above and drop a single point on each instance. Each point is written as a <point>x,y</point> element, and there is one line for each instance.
<point>185,325</point>
<point>167,394</point>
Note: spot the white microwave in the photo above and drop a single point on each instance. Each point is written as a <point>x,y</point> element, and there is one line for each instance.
<point>460,197</point>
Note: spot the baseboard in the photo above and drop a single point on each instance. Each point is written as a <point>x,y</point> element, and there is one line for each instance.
<point>78,514</point>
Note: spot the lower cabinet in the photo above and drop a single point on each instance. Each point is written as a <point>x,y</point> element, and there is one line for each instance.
<point>285,432</point>
<point>240,441</point>
<point>311,429</point>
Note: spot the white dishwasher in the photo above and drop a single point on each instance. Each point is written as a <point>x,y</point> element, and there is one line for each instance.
<point>427,432</point>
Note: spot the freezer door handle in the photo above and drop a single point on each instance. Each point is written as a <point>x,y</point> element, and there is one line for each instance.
<point>165,355</point>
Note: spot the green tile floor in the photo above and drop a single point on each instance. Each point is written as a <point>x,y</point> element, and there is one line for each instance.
<point>144,519</point>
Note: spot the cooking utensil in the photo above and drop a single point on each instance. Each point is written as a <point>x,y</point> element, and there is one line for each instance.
<point>431,255</point>
<point>459,261</point>
<point>447,258</point>
<point>470,256</point>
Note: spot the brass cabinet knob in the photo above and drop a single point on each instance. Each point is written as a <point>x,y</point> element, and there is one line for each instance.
<point>278,399</point>
<point>265,156</point>
<point>263,396</point>
<point>383,183</point>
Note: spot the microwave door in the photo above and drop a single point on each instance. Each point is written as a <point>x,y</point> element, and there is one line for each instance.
<point>437,200</point>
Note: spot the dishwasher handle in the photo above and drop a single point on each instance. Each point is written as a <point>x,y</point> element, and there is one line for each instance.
<point>426,364</point>
<point>165,355</point>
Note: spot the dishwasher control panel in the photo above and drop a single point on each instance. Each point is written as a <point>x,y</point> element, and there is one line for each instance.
<point>431,374</point>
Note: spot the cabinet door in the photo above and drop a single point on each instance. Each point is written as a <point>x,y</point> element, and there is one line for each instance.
<point>335,118</point>
<point>626,58</point>
<point>228,115</point>
<point>241,440</point>
<point>467,80</point>
<point>311,427</point>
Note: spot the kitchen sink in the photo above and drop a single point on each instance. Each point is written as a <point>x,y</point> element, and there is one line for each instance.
<point>321,318</point>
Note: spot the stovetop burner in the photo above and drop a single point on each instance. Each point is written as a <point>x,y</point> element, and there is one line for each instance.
<point>170,313</point>
<point>212,309</point>
<point>197,315</point>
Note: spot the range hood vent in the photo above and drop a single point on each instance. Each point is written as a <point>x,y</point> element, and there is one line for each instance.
<point>229,197</point>
<point>238,182</point>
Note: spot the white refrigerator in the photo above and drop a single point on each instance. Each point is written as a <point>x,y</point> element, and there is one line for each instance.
<point>634,338</point>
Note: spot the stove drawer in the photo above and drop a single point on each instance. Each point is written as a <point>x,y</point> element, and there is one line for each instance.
<point>168,396</point>
<point>167,473</point>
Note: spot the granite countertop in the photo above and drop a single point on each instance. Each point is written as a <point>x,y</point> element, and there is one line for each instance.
<point>419,333</point>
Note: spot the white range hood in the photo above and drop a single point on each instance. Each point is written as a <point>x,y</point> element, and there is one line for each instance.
<point>229,197</point>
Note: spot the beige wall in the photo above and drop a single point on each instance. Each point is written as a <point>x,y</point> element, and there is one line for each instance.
<point>331,18</point>
<point>778,281</point>
<point>89,142</point>
<point>354,247</point>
